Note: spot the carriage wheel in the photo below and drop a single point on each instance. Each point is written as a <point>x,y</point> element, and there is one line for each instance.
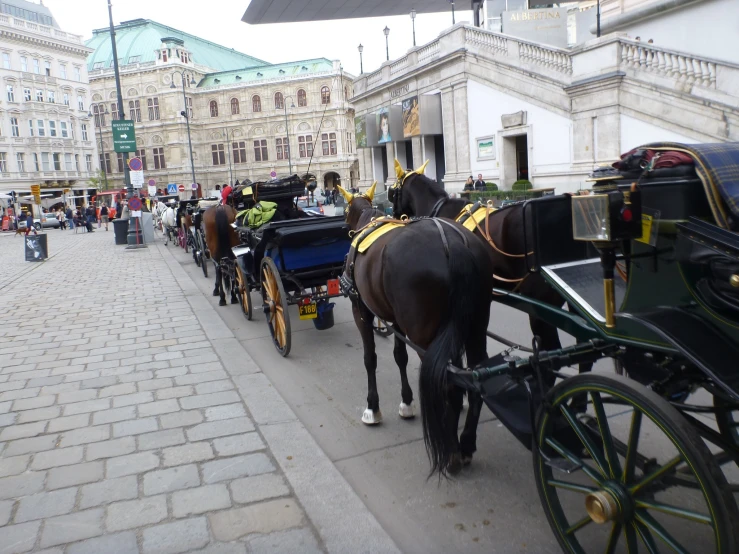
<point>275,306</point>
<point>634,473</point>
<point>727,420</point>
<point>203,264</point>
<point>195,256</point>
<point>243,293</point>
<point>184,236</point>
<point>381,328</point>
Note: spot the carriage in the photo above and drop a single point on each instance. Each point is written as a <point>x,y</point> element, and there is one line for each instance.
<point>645,461</point>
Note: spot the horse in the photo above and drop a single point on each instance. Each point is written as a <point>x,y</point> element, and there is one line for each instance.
<point>502,231</point>
<point>168,217</point>
<point>435,286</point>
<point>220,238</point>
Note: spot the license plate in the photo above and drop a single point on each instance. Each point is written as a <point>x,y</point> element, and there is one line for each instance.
<point>308,311</point>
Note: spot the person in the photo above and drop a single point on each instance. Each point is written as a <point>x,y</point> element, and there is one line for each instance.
<point>470,184</point>
<point>70,217</point>
<point>225,192</point>
<point>29,223</point>
<point>62,219</point>
<point>479,184</point>
<point>384,128</point>
<point>104,215</point>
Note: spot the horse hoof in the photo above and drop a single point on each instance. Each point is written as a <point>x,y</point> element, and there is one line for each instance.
<point>466,459</point>
<point>216,293</point>
<point>371,418</point>
<point>455,464</point>
<point>234,301</point>
<point>222,303</point>
<point>407,411</point>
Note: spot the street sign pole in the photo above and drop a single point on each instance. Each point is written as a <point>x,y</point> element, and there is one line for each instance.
<point>135,236</point>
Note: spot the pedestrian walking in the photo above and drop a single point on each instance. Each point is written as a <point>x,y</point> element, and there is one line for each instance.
<point>29,223</point>
<point>60,215</point>
<point>90,217</point>
<point>104,215</point>
<point>70,217</point>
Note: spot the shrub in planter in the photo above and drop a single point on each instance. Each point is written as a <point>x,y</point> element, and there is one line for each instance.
<point>521,185</point>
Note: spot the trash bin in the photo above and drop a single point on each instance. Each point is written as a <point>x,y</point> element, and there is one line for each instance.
<point>36,248</point>
<point>120,228</point>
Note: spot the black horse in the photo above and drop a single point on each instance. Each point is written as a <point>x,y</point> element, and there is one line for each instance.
<point>435,285</point>
<point>220,238</point>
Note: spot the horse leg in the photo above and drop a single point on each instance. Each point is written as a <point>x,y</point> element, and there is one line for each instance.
<point>400,353</point>
<point>218,291</point>
<point>363,318</point>
<point>476,353</point>
<point>232,285</point>
<point>453,411</point>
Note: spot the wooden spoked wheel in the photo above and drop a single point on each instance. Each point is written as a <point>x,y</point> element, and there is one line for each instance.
<point>381,328</point>
<point>185,233</point>
<point>632,475</point>
<point>243,293</point>
<point>275,306</point>
<point>203,264</point>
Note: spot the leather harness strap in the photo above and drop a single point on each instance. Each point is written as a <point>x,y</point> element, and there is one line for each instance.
<point>437,207</point>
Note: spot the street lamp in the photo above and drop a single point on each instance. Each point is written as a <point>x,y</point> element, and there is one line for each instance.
<point>413,19</point>
<point>287,132</point>
<point>230,169</point>
<point>386,30</point>
<point>361,65</point>
<point>102,151</point>
<point>453,19</point>
<point>186,115</point>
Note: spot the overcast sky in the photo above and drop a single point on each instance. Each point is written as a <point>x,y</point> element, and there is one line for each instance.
<point>220,21</point>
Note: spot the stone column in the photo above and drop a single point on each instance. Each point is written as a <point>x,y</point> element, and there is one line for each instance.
<point>447,123</point>
<point>390,153</point>
<point>365,167</point>
<point>456,135</point>
<point>418,155</point>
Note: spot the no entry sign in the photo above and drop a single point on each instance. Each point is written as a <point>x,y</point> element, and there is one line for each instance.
<point>181,188</point>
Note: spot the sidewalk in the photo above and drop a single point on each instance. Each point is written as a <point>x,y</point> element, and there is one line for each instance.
<point>132,421</point>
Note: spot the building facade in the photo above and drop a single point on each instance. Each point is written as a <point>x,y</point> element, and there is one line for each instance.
<point>45,135</point>
<point>248,119</point>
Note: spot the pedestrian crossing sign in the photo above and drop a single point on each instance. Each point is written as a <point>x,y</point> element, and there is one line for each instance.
<point>172,188</point>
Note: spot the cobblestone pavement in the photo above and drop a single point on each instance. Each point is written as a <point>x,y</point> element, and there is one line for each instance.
<point>133,421</point>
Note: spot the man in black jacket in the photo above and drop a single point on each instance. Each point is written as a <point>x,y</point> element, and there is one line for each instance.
<point>479,184</point>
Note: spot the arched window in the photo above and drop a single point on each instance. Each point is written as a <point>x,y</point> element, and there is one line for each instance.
<point>325,95</point>
<point>302,100</point>
<point>346,92</point>
<point>234,106</point>
<point>213,108</point>
<point>279,101</point>
<point>256,104</point>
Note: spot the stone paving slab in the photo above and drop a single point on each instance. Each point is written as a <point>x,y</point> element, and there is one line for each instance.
<point>132,420</point>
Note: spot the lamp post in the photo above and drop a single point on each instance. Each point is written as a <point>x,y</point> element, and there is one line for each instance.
<point>361,64</point>
<point>186,115</point>
<point>102,150</point>
<point>597,20</point>
<point>230,169</point>
<point>413,19</point>
<point>286,146</point>
<point>386,30</point>
<point>453,19</point>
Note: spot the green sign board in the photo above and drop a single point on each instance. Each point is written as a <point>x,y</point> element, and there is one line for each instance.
<point>124,136</point>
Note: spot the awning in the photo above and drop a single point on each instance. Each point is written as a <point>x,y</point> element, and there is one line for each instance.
<point>287,11</point>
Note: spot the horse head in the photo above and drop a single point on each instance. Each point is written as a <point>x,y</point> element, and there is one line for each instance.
<point>410,187</point>
<point>356,204</point>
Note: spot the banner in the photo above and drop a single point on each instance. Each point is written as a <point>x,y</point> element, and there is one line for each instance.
<point>411,121</point>
<point>360,131</point>
<point>383,126</point>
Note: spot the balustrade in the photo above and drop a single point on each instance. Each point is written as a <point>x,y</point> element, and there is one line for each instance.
<point>679,66</point>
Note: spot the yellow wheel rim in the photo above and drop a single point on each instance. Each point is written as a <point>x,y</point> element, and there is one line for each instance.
<point>276,315</point>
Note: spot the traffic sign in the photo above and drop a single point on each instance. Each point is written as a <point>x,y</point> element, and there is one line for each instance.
<point>135,164</point>
<point>171,188</point>
<point>194,186</point>
<point>124,136</point>
<point>273,174</point>
<point>137,179</point>
<point>36,191</point>
<point>152,190</point>
<point>152,182</point>
<point>181,188</point>
<point>134,204</point>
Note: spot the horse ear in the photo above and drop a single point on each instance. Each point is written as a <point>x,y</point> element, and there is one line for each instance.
<point>421,170</point>
<point>399,171</point>
<point>370,194</point>
<point>348,196</point>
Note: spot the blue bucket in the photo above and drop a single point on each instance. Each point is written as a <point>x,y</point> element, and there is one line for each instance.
<point>325,319</point>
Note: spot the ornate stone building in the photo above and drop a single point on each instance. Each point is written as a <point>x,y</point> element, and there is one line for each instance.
<point>45,137</point>
<point>248,118</point>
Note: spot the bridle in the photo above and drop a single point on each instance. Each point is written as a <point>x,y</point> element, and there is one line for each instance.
<point>397,197</point>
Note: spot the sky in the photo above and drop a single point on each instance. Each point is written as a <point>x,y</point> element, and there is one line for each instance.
<point>220,21</point>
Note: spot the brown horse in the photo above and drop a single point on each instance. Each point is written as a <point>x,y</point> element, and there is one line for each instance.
<point>435,285</point>
<point>220,238</point>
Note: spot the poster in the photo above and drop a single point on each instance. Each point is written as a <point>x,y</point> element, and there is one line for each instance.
<point>383,126</point>
<point>360,131</point>
<point>411,122</point>
<point>486,148</point>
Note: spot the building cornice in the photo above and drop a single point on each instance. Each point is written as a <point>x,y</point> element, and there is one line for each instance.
<point>17,35</point>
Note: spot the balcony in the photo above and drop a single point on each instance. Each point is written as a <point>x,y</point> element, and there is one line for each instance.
<point>24,25</point>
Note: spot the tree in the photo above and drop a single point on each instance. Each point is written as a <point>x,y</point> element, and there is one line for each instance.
<point>98,180</point>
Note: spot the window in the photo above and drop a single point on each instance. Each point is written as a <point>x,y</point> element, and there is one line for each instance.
<point>302,99</point>
<point>159,159</point>
<point>3,163</point>
<point>80,104</point>
<point>68,162</point>
<point>30,127</point>
<point>40,125</point>
<point>36,67</point>
<point>114,111</point>
<point>88,162</point>
<point>39,96</point>
<point>11,94</point>
<point>47,68</point>
<point>134,110</point>
<point>6,60</point>
<point>77,163</point>
<point>121,165</point>
<point>52,128</point>
<point>65,98</point>
<point>134,59</point>
<point>77,74</point>
<point>27,94</point>
<point>62,71</point>
<point>57,161</point>
<point>14,128</point>
<point>239,149</point>
<point>305,146</point>
<point>24,63</point>
<point>52,97</point>
<point>153,104</point>
<point>260,151</point>
<point>20,159</point>
<point>63,127</point>
<point>105,163</point>
<point>164,55</point>
<point>98,111</point>
<point>84,131</point>
<point>325,95</point>
<point>142,154</point>
<point>188,103</point>
<point>35,162</point>
<point>213,108</point>
<point>329,144</point>
<point>219,154</point>
<point>256,104</point>
<point>283,149</point>
<point>349,143</point>
<point>235,106</point>
<point>279,101</point>
<point>98,65</point>
<point>45,161</point>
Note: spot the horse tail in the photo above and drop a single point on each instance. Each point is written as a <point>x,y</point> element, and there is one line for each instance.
<point>224,242</point>
<point>466,289</point>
